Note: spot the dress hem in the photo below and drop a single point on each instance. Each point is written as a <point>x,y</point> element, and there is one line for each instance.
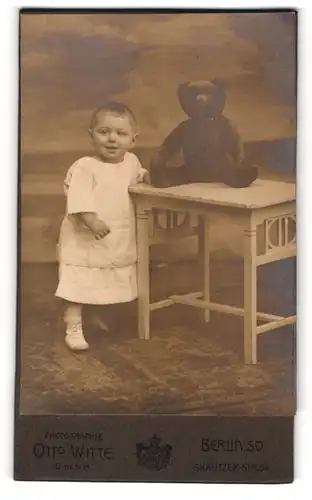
<point>101,303</point>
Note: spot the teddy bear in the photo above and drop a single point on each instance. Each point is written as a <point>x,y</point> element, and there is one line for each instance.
<point>211,148</point>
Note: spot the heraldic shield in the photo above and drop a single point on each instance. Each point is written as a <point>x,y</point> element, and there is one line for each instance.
<point>152,455</point>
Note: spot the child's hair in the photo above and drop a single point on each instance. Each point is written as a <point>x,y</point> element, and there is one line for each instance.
<point>117,108</point>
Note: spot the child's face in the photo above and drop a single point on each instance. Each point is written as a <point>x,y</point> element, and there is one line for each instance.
<point>112,136</point>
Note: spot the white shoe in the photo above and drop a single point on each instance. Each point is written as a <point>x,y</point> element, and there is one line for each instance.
<point>74,338</point>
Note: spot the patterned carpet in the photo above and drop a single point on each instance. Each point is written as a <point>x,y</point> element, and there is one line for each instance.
<point>186,368</point>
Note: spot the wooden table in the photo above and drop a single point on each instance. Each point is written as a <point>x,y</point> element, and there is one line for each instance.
<point>269,205</point>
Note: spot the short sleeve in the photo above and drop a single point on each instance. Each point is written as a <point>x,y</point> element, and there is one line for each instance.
<point>79,185</point>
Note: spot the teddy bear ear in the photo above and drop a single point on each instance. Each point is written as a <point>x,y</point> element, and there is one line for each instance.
<point>218,82</point>
<point>182,86</point>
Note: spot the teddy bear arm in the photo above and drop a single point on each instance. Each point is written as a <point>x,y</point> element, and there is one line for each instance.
<point>234,145</point>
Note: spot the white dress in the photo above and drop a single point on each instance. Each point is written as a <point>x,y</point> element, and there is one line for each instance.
<point>99,271</point>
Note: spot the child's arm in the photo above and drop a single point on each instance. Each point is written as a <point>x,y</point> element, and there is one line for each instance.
<point>80,199</point>
<point>96,225</point>
<point>145,177</point>
<point>141,174</point>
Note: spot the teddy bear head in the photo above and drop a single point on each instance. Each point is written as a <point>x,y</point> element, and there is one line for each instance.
<point>202,99</point>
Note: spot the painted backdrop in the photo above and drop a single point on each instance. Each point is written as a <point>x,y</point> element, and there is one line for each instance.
<point>71,63</point>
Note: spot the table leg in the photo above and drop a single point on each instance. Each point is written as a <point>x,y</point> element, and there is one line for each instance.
<point>250,294</point>
<point>204,261</point>
<point>143,278</point>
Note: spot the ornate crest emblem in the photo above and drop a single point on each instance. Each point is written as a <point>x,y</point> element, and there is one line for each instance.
<point>152,455</point>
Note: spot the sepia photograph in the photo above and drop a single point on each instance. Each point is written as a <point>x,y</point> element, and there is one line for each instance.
<point>157,214</point>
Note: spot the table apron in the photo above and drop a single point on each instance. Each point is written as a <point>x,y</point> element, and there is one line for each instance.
<point>146,204</point>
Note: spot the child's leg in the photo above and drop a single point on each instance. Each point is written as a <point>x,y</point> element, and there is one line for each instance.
<point>74,335</point>
<point>99,323</point>
<point>93,317</point>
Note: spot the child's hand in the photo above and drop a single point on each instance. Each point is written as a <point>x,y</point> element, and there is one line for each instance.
<point>99,229</point>
<point>145,178</point>
<point>96,225</point>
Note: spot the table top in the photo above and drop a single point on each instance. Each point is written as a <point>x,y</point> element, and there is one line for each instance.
<point>262,193</point>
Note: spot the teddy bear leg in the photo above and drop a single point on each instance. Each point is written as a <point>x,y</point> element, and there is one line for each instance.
<point>239,177</point>
<point>166,177</point>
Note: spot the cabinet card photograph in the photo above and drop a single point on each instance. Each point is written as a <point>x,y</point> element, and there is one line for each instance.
<point>157,228</point>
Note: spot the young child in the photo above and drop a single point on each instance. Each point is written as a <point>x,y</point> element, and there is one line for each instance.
<point>97,244</point>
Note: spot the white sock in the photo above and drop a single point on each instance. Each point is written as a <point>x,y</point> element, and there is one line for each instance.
<point>74,335</point>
